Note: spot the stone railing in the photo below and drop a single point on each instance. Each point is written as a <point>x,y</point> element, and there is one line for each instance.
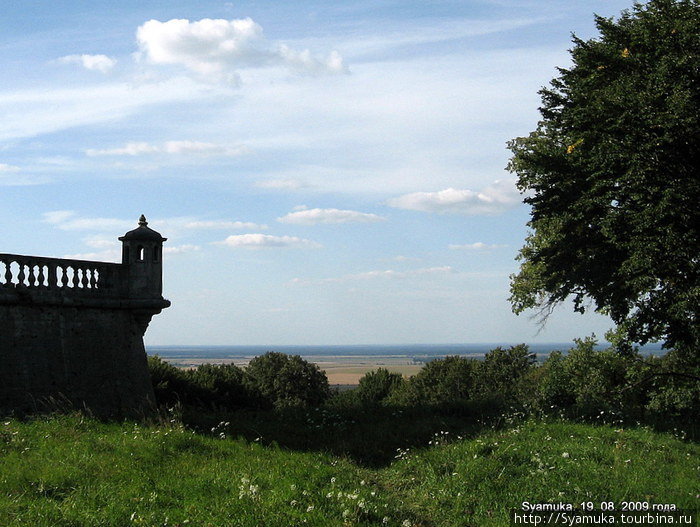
<point>61,276</point>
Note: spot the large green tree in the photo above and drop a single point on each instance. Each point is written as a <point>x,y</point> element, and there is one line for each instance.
<point>611,174</point>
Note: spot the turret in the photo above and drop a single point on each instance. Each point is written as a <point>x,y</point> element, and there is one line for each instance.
<point>142,254</point>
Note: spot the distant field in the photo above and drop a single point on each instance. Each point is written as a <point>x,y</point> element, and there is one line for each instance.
<point>341,370</point>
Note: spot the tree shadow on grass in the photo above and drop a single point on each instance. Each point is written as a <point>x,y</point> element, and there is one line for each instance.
<point>370,436</point>
<point>374,436</point>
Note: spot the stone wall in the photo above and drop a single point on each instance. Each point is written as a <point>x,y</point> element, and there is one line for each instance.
<point>54,356</point>
<point>71,331</point>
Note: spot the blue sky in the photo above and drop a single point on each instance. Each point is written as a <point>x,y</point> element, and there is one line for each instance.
<point>326,172</point>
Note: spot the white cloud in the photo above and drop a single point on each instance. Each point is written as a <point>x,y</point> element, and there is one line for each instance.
<point>8,168</point>
<point>101,63</point>
<point>494,199</point>
<point>478,246</point>
<point>281,184</point>
<point>27,113</point>
<point>386,274</point>
<point>260,241</point>
<point>100,242</point>
<point>400,258</point>
<point>174,227</point>
<point>69,221</point>
<point>238,225</point>
<point>108,255</point>
<point>315,216</point>
<point>10,177</point>
<point>170,147</point>
<point>181,249</point>
<point>216,48</point>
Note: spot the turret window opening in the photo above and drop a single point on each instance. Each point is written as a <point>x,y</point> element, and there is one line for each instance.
<point>141,253</point>
<point>156,253</point>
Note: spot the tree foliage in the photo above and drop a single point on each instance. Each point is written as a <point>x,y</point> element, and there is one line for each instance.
<point>503,370</point>
<point>375,386</point>
<point>287,380</point>
<point>611,176</point>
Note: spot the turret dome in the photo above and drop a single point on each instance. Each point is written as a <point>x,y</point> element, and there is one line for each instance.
<point>142,233</point>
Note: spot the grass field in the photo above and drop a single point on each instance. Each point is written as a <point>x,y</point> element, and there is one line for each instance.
<point>74,471</point>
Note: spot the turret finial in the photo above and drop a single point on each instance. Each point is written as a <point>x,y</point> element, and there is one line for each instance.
<point>142,221</point>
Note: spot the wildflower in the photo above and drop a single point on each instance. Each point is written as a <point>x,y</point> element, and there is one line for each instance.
<point>565,454</point>
<point>406,523</point>
<point>385,520</point>
<point>293,503</point>
<point>309,508</point>
<point>332,480</point>
<point>625,53</point>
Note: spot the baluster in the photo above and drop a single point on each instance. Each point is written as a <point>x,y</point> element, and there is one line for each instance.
<point>93,278</point>
<point>21,276</point>
<point>3,276</point>
<point>8,274</point>
<point>64,276</point>
<point>31,278</point>
<point>42,276</point>
<point>84,279</point>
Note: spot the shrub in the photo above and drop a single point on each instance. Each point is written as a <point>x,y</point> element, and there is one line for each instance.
<point>287,380</point>
<point>170,384</point>
<point>502,372</point>
<point>587,382</point>
<point>222,384</point>
<point>376,386</point>
<point>675,386</point>
<point>441,381</point>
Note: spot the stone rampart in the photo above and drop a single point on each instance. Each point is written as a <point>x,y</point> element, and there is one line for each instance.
<point>71,331</point>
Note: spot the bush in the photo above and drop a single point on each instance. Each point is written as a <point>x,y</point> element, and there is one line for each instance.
<point>502,372</point>
<point>376,386</point>
<point>170,384</point>
<point>287,380</point>
<point>589,383</point>
<point>675,386</point>
<point>441,381</point>
<point>223,385</point>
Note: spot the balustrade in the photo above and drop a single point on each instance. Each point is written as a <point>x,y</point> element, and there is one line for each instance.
<point>57,274</point>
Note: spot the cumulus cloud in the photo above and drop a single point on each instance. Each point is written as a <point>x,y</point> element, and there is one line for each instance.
<point>494,199</point>
<point>262,241</point>
<point>101,63</point>
<point>216,48</point>
<point>315,216</point>
<point>170,147</point>
<point>386,274</point>
<point>478,246</point>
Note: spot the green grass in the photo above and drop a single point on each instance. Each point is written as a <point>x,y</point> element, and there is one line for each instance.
<point>74,471</point>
